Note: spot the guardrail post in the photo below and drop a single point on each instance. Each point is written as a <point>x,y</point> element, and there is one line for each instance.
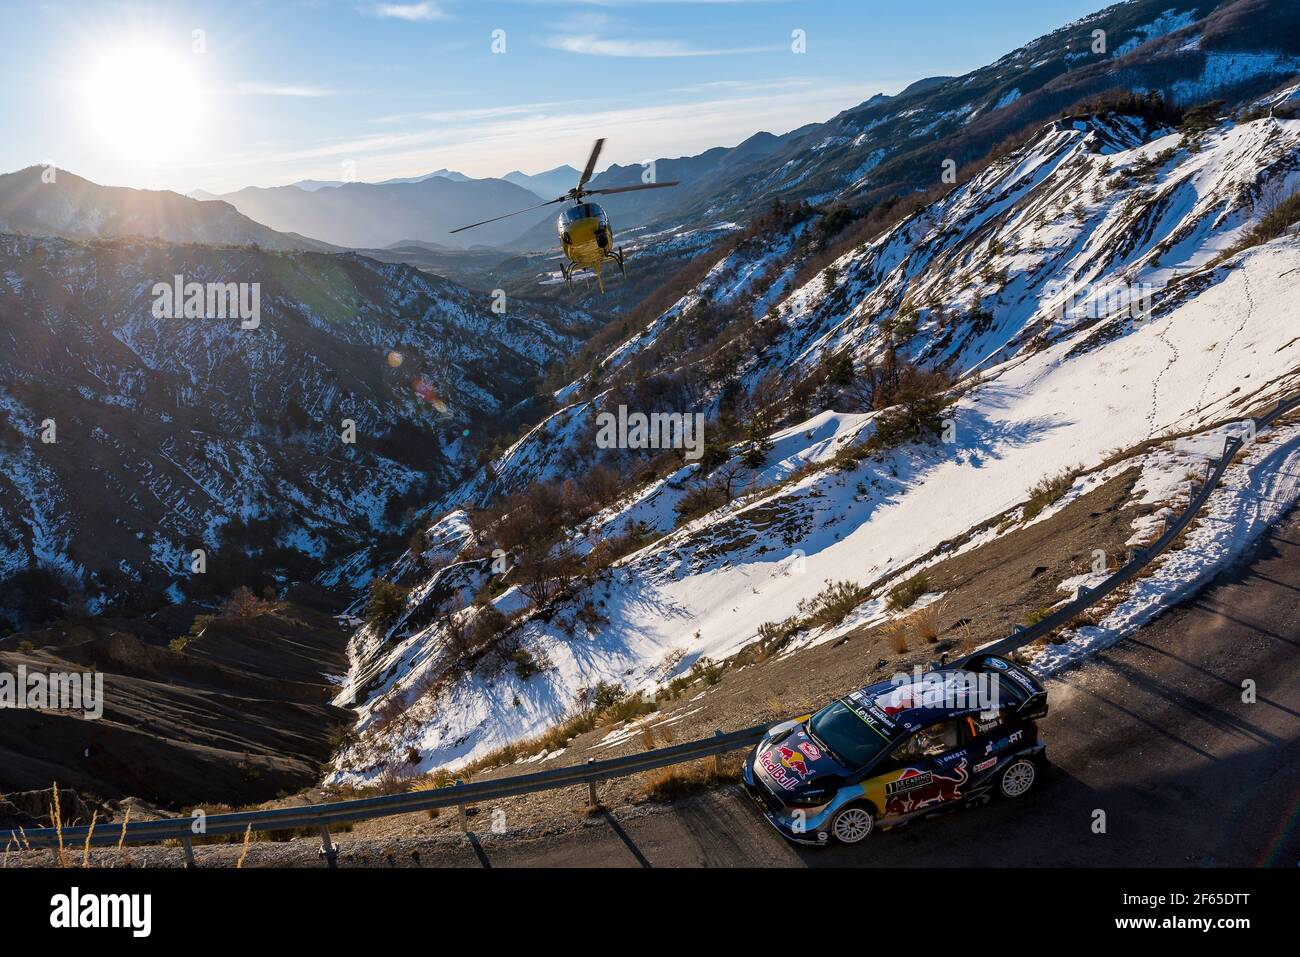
<point>189,850</point>
<point>464,818</point>
<point>592,799</point>
<point>717,758</point>
<point>327,848</point>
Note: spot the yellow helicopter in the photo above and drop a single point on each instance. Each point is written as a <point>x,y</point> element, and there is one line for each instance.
<point>585,233</point>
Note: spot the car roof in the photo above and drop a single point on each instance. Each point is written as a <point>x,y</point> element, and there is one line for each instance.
<point>898,707</point>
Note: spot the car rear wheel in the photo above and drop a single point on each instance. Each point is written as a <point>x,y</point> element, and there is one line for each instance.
<point>1018,778</point>
<point>852,824</point>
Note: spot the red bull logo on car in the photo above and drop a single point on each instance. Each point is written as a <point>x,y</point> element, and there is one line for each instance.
<point>915,789</point>
<point>789,767</point>
<point>794,760</point>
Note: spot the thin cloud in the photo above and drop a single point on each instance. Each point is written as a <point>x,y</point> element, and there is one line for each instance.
<point>281,89</point>
<point>474,113</point>
<point>410,12</point>
<point>590,44</point>
<point>486,146</point>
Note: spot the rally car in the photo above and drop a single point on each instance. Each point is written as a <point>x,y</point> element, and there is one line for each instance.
<point>899,749</point>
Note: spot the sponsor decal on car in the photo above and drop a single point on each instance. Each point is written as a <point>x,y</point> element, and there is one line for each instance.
<point>792,759</point>
<point>875,716</point>
<point>911,778</point>
<point>1009,740</point>
<point>776,772</point>
<point>1022,680</point>
<point>814,753</point>
<point>915,790</point>
<point>985,765</point>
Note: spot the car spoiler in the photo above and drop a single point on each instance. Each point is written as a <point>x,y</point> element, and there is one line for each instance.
<point>1035,703</point>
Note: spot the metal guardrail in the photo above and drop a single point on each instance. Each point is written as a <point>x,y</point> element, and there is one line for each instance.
<point>323,816</point>
<point>1142,557</point>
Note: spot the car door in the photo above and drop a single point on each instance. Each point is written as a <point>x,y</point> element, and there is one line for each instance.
<point>992,738</point>
<point>929,768</point>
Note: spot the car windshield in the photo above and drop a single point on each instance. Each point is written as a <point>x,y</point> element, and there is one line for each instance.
<point>847,736</point>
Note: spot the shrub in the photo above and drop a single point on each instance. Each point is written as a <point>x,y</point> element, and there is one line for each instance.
<point>698,501</point>
<point>776,635</point>
<point>707,670</point>
<point>833,603</point>
<point>905,594</point>
<point>527,664</point>
<point>386,603</point>
<point>848,457</point>
<point>242,603</point>
<point>605,695</point>
<point>1201,117</point>
<point>1047,491</point>
<point>629,708</point>
<point>922,398</point>
<point>489,624</point>
<point>1036,616</point>
<point>1277,219</point>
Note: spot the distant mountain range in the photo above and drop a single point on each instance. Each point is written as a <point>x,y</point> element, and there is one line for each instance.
<point>362,215</point>
<point>52,202</point>
<point>547,185</point>
<point>415,208</point>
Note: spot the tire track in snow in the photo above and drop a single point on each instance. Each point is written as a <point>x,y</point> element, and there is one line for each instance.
<point>1227,346</point>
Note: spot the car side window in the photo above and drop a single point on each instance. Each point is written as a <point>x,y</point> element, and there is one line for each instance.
<point>929,742</point>
<point>976,724</point>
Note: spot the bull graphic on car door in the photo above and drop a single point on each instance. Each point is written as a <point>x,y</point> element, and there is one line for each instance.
<point>916,788</point>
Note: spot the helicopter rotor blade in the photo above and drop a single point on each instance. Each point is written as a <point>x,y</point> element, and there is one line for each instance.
<point>549,202</point>
<point>628,189</point>
<point>591,163</point>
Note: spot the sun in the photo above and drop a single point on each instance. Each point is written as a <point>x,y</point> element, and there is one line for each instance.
<point>141,99</point>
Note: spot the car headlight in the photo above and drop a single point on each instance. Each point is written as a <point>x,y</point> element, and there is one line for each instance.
<point>810,798</point>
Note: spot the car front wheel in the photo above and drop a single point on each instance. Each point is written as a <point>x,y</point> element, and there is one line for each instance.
<point>852,824</point>
<point>1018,778</point>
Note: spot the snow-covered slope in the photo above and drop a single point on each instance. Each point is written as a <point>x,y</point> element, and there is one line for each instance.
<point>1082,287</point>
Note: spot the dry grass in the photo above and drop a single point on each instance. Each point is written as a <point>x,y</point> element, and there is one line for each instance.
<point>243,852</point>
<point>925,623</point>
<point>684,780</point>
<point>58,827</point>
<point>85,851</point>
<point>895,632</point>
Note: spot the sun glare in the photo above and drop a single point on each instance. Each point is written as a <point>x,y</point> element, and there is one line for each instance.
<point>143,101</point>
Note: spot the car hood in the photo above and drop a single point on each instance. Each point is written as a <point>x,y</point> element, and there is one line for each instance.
<point>792,761</point>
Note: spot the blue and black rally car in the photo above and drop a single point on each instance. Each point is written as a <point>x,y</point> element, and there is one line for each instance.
<point>900,749</point>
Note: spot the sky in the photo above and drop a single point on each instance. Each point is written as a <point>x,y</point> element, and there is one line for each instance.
<point>222,94</point>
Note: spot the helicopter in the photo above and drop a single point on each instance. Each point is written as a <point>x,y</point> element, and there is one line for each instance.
<point>585,233</point>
